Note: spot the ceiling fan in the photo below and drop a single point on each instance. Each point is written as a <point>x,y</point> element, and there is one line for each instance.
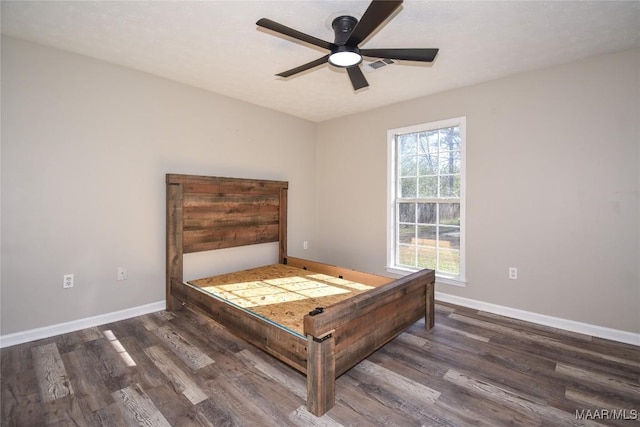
<point>349,33</point>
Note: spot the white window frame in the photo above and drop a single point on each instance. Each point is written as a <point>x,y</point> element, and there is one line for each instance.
<point>459,280</point>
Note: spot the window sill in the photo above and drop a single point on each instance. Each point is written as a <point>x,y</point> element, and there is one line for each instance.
<point>444,280</point>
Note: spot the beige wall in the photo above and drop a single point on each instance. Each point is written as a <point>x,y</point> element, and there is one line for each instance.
<point>85,146</point>
<point>552,188</point>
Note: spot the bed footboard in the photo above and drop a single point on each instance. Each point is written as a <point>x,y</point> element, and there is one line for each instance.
<point>342,335</point>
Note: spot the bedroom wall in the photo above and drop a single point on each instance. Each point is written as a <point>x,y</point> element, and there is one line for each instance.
<point>552,188</point>
<point>85,147</point>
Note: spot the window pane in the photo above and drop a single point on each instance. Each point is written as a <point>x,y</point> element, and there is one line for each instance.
<point>449,238</point>
<point>408,166</point>
<point>449,261</point>
<point>427,213</point>
<point>427,235</point>
<point>407,255</point>
<point>449,214</point>
<point>407,212</point>
<point>450,139</point>
<point>428,165</point>
<point>406,233</point>
<point>427,143</point>
<point>407,187</point>
<point>449,162</point>
<point>427,258</point>
<point>407,144</point>
<point>450,186</point>
<point>428,186</point>
<point>433,141</point>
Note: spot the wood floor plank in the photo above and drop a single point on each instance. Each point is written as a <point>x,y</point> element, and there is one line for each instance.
<point>452,330</point>
<point>191,355</point>
<point>599,379</point>
<point>356,408</point>
<point>181,380</point>
<point>413,341</point>
<point>109,416</point>
<point>172,403</point>
<point>541,329</point>
<point>294,382</point>
<point>91,392</point>
<point>91,334</point>
<point>20,410</point>
<point>244,401</point>
<point>593,400</point>
<point>220,410</point>
<point>138,409</point>
<point>63,411</point>
<point>20,391</point>
<point>406,387</point>
<point>52,376</point>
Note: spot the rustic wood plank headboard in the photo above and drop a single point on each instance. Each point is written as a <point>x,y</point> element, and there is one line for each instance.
<point>205,213</point>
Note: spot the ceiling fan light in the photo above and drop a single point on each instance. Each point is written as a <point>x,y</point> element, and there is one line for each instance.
<point>345,59</point>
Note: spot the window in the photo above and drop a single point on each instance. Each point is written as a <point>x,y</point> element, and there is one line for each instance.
<point>426,199</point>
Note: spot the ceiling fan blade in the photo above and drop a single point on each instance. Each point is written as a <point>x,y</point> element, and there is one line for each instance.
<point>357,78</point>
<point>376,13</point>
<point>305,67</point>
<point>424,55</point>
<point>279,28</point>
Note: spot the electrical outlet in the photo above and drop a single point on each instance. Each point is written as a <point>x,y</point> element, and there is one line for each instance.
<point>67,281</point>
<point>305,245</point>
<point>122,273</point>
<point>513,273</point>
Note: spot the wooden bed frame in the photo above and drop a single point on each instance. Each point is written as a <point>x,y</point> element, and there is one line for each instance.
<point>205,213</point>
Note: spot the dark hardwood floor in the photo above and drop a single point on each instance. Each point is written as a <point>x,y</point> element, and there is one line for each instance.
<point>182,369</point>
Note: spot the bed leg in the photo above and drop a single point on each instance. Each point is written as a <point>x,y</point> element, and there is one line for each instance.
<point>321,374</point>
<point>430,314</point>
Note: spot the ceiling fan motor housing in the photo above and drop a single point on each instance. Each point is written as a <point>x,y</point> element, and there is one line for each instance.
<point>342,27</point>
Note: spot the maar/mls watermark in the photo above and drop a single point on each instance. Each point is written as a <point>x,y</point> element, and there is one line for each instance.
<point>607,414</point>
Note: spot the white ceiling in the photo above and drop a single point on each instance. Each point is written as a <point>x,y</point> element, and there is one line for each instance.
<point>215,45</point>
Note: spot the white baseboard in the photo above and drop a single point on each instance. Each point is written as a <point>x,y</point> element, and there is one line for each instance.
<point>541,319</point>
<point>76,325</point>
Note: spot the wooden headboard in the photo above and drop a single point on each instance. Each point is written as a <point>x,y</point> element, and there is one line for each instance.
<point>205,213</point>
